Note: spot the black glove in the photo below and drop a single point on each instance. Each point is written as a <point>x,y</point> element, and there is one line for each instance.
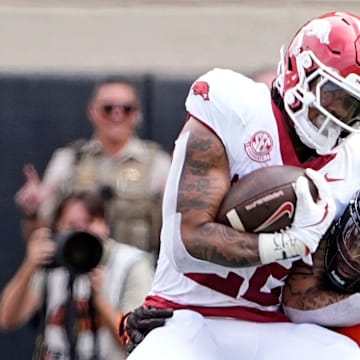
<point>135,325</point>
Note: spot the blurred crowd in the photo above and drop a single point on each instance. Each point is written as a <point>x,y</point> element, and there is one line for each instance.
<point>102,196</point>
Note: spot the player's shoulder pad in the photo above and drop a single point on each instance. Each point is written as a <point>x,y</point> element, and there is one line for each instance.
<point>221,96</point>
<point>218,86</point>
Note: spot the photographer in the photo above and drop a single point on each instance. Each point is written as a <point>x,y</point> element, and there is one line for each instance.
<point>78,309</point>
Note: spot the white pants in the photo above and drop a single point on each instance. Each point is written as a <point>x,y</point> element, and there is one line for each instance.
<point>190,336</point>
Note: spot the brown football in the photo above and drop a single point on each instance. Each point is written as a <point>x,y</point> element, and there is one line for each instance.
<point>263,200</point>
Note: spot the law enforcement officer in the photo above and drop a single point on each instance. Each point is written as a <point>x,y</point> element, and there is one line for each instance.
<point>130,171</point>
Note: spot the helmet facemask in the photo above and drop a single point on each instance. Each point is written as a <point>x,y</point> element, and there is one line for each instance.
<point>329,100</point>
<point>342,259</point>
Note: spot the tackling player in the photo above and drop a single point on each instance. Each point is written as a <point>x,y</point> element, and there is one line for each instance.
<point>332,285</point>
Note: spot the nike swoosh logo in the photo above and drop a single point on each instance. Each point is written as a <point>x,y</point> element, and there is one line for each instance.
<point>326,211</point>
<point>330,179</point>
<point>286,209</point>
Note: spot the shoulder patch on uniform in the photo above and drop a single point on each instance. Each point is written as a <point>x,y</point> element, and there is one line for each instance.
<point>259,146</point>
<point>201,88</point>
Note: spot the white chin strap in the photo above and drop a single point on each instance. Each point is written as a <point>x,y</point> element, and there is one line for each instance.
<point>314,139</point>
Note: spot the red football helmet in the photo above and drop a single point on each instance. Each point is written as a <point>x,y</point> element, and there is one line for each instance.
<point>319,80</point>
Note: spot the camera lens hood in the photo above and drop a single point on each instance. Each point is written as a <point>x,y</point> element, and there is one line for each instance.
<point>78,251</point>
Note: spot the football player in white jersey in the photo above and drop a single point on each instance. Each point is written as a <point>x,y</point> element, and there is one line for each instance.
<point>225,286</point>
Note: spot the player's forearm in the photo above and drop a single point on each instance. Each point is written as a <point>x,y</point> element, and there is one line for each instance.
<point>308,298</point>
<point>223,245</point>
<point>313,296</point>
<point>204,181</point>
<point>306,286</point>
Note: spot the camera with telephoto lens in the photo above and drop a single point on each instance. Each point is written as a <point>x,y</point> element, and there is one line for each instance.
<point>78,251</point>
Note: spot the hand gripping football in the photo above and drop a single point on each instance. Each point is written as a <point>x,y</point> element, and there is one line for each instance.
<point>263,200</point>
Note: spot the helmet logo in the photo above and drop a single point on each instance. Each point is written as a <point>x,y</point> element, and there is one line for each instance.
<point>259,146</point>
<point>201,88</point>
<point>320,28</point>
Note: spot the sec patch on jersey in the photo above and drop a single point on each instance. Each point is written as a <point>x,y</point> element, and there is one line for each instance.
<point>263,200</point>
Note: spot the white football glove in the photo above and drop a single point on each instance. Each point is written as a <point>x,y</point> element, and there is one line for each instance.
<point>311,220</point>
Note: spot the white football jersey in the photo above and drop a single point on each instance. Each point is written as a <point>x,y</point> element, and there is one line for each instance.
<point>241,113</point>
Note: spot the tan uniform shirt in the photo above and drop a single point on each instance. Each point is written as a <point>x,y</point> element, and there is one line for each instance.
<point>135,177</point>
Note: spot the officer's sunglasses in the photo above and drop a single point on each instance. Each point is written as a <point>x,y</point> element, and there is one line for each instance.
<point>126,109</point>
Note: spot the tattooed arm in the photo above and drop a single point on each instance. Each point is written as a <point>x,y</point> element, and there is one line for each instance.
<point>204,181</point>
<point>308,297</point>
<point>307,287</point>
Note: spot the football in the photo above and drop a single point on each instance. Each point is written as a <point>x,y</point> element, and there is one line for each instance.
<point>263,200</point>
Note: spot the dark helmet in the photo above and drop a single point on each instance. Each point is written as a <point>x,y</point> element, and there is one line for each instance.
<point>342,258</point>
